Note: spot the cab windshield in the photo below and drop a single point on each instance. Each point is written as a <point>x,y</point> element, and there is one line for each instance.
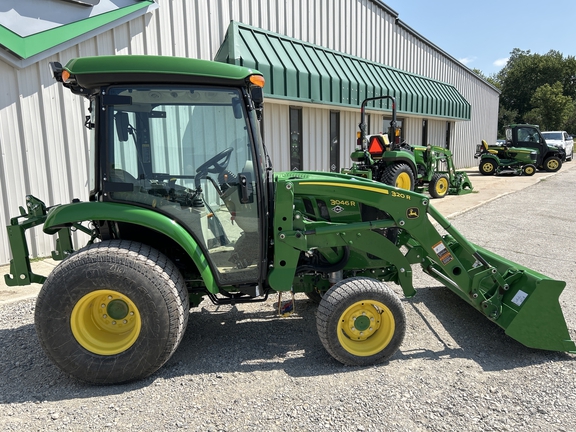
<point>186,152</point>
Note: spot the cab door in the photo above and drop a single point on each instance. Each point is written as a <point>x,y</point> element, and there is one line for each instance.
<point>187,152</point>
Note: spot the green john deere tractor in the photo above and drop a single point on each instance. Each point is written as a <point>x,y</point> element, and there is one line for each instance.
<point>420,168</point>
<point>183,206</point>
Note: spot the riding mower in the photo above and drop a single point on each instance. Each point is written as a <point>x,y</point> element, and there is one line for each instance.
<point>419,168</point>
<point>505,160</point>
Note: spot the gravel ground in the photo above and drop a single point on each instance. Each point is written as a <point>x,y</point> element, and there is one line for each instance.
<point>245,369</point>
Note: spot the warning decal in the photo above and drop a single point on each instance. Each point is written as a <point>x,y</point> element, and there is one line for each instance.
<point>443,254</point>
<point>519,298</point>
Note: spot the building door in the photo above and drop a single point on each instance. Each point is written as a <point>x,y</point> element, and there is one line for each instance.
<point>424,133</point>
<point>334,141</point>
<point>295,139</point>
<point>447,144</point>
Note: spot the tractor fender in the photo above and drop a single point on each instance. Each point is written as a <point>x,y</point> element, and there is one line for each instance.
<point>490,156</point>
<point>67,214</point>
<point>400,157</point>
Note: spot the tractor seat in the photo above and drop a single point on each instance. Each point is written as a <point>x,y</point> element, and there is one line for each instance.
<point>487,149</point>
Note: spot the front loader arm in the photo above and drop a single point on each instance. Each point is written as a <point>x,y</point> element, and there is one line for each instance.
<point>520,300</point>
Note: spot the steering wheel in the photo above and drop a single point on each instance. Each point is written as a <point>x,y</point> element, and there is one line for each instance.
<point>216,164</point>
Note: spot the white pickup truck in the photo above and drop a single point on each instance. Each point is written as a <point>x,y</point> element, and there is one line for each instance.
<point>560,139</point>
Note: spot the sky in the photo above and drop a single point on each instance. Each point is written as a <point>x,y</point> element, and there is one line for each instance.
<point>481,34</point>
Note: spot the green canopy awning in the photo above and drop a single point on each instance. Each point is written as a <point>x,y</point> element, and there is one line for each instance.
<point>300,71</point>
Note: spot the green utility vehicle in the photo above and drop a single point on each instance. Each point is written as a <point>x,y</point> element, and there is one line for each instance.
<point>506,160</point>
<point>549,157</point>
<point>420,168</point>
<point>183,206</point>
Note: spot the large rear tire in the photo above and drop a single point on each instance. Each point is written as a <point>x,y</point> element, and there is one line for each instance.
<point>113,312</point>
<point>399,175</point>
<point>438,186</point>
<point>487,167</point>
<point>552,164</point>
<point>361,322</point>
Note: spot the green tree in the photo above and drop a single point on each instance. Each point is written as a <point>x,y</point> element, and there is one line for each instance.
<point>505,117</point>
<point>492,79</point>
<point>551,108</point>
<point>570,125</point>
<point>535,87</point>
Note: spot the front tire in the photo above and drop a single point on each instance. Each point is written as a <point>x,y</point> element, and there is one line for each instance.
<point>113,312</point>
<point>439,185</point>
<point>361,322</point>
<point>552,164</point>
<point>399,175</point>
<point>528,170</point>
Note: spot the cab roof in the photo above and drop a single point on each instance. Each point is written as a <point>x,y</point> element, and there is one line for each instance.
<point>93,72</point>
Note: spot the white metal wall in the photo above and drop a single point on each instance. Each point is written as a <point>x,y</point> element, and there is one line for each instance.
<point>44,146</point>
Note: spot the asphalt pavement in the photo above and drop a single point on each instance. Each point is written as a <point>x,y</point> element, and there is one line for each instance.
<point>486,189</point>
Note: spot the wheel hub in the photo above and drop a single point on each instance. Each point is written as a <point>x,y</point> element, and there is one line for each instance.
<point>105,322</point>
<point>365,328</point>
<point>117,309</point>
<point>403,181</point>
<point>362,323</point>
<point>442,185</point>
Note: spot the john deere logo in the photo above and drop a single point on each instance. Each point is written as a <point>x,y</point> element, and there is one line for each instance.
<point>337,209</point>
<point>412,213</point>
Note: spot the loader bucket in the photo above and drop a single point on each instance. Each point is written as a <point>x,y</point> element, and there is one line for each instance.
<point>524,302</point>
<point>462,184</point>
<point>530,307</point>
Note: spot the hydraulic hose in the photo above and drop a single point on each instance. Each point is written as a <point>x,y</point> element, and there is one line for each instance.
<point>329,268</point>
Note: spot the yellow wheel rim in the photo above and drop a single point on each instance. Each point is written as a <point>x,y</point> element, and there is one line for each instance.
<point>366,328</point>
<point>105,322</point>
<point>529,170</point>
<point>488,167</point>
<point>403,181</point>
<point>442,186</point>
<point>552,164</point>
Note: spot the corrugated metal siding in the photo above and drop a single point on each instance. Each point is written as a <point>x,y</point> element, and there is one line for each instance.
<point>44,145</point>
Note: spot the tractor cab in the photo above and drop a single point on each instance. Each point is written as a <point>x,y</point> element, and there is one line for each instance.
<point>186,150</point>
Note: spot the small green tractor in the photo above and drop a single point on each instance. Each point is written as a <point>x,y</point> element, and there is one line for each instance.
<point>184,206</point>
<point>420,168</point>
<point>505,160</point>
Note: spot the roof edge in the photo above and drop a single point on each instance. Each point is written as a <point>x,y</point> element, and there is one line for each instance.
<point>21,52</point>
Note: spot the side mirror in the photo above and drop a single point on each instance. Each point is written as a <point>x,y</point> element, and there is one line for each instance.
<point>56,70</point>
<point>257,97</point>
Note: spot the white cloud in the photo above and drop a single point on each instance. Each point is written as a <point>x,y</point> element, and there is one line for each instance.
<point>467,60</point>
<point>501,62</point>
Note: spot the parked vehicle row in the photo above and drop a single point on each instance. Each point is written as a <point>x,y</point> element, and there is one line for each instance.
<point>525,150</point>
